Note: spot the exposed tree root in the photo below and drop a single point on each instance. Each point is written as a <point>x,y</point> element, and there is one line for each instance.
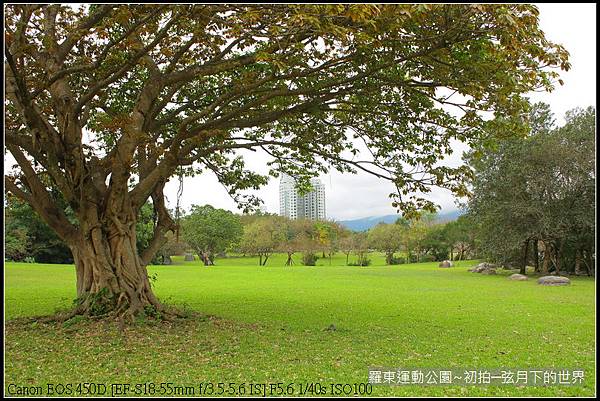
<point>122,315</point>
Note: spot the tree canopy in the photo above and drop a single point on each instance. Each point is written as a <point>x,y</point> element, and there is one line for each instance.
<point>387,238</point>
<point>538,190</point>
<point>158,87</point>
<point>210,231</point>
<point>263,236</point>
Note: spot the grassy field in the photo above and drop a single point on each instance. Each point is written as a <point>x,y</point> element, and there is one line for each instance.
<point>268,325</point>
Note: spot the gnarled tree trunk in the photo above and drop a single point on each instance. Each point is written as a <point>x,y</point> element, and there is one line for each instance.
<point>111,275</point>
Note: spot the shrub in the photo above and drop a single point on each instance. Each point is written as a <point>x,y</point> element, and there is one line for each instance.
<point>309,259</point>
<point>427,258</point>
<point>397,260</point>
<point>363,262</point>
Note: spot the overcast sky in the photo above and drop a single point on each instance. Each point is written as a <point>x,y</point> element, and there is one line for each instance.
<point>361,195</point>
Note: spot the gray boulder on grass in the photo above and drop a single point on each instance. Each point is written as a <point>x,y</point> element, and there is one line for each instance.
<point>446,263</point>
<point>517,277</point>
<point>485,268</point>
<point>554,280</point>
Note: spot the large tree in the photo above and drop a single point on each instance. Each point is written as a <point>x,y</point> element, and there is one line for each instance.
<point>535,195</point>
<point>211,231</point>
<point>263,237</point>
<point>387,238</point>
<point>110,101</point>
<point>460,237</point>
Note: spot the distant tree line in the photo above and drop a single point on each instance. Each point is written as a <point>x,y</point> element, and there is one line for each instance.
<point>532,203</point>
<point>300,240</point>
<point>406,241</point>
<point>209,232</point>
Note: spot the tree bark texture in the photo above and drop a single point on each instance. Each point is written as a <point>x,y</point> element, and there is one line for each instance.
<point>111,276</point>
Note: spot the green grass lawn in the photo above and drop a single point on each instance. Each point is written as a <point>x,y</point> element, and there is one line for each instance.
<point>267,325</point>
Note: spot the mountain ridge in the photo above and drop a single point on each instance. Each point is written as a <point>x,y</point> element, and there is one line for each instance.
<point>366,223</point>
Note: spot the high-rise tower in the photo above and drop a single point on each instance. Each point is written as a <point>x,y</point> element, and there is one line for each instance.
<point>296,206</point>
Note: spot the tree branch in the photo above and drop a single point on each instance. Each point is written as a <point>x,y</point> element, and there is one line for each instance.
<point>164,224</point>
<point>41,200</point>
<point>131,62</point>
<point>81,30</point>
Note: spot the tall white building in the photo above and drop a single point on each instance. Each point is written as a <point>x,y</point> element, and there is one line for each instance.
<point>295,206</point>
